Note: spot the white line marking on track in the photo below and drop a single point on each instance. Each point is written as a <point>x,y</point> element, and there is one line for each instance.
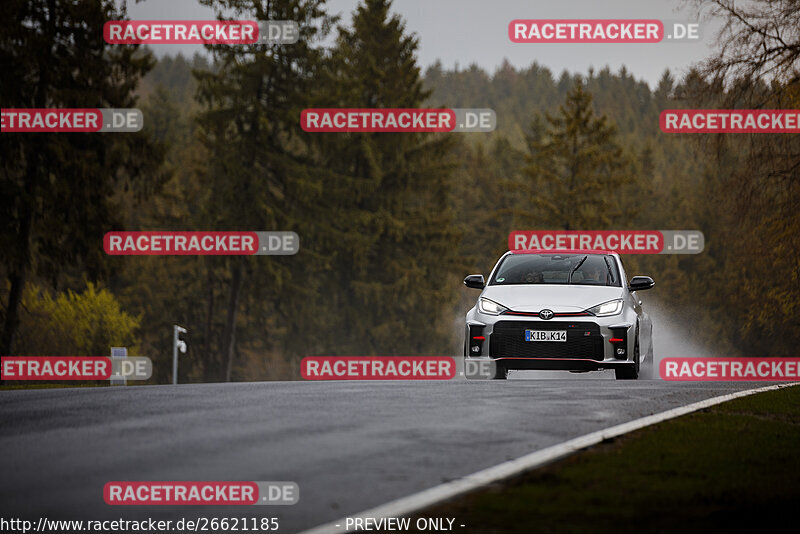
<point>426,498</point>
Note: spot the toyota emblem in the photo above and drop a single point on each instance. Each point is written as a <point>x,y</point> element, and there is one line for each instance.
<point>546,314</point>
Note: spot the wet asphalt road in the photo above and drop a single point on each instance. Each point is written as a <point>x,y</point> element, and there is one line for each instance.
<point>349,445</point>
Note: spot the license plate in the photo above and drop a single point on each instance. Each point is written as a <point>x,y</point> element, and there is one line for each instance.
<point>545,335</point>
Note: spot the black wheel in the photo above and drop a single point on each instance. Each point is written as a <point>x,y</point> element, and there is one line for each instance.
<point>630,372</point>
<point>500,372</point>
<point>649,370</point>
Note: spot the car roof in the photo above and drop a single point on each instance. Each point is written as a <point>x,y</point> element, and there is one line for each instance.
<point>560,251</point>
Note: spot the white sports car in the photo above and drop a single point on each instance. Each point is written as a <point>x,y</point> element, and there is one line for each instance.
<point>560,309</point>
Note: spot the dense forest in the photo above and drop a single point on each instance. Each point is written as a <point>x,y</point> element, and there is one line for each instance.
<point>389,223</point>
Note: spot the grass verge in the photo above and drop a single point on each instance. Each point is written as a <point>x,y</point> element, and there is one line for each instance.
<point>734,467</point>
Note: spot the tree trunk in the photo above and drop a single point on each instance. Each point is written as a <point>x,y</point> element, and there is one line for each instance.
<point>17,279</point>
<point>17,274</point>
<point>229,340</point>
<point>211,366</point>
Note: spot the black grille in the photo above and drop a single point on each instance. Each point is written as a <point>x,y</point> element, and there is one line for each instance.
<point>583,340</point>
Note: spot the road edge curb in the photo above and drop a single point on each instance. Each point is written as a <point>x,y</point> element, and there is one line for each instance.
<point>405,506</point>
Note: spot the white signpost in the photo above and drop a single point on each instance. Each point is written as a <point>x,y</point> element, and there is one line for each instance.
<point>119,352</point>
<point>177,344</point>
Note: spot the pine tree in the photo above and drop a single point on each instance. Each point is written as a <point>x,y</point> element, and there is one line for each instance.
<point>57,190</point>
<point>257,177</point>
<point>394,266</point>
<point>574,168</point>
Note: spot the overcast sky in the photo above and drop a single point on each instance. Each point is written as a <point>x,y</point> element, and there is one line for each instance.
<point>462,32</point>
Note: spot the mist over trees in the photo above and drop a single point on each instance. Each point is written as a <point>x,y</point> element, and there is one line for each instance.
<point>755,179</point>
<point>575,168</point>
<point>390,223</point>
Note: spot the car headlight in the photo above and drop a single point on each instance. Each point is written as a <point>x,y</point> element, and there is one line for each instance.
<point>612,307</point>
<point>490,307</point>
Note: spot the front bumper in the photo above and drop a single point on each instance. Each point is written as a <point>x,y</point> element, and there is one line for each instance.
<point>592,342</point>
<point>558,364</point>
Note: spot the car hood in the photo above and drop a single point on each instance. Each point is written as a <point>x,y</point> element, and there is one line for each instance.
<point>558,298</point>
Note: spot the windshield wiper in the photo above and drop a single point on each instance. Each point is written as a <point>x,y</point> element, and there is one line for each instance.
<point>610,274</point>
<point>569,278</point>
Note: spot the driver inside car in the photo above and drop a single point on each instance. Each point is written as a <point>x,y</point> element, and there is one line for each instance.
<point>597,274</point>
<point>533,277</point>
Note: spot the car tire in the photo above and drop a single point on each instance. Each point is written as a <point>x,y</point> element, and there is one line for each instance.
<point>630,372</point>
<point>649,370</point>
<point>500,372</point>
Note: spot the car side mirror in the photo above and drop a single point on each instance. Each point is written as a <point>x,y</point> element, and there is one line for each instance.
<point>640,283</point>
<point>475,281</point>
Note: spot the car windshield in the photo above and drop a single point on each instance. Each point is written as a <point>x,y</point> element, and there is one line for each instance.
<point>574,269</point>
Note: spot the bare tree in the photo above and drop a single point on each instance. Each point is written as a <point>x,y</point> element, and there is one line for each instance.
<point>753,178</point>
<point>759,41</point>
